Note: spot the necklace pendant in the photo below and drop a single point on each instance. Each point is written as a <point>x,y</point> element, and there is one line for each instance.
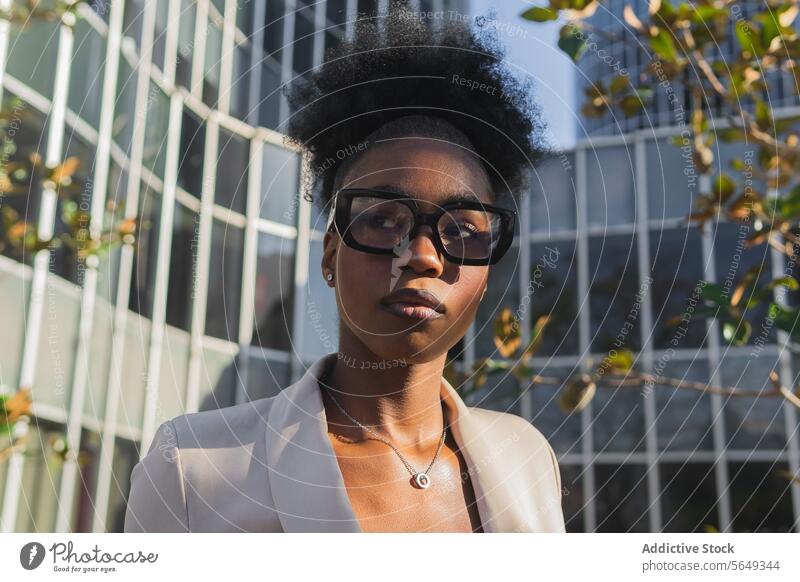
<point>422,480</point>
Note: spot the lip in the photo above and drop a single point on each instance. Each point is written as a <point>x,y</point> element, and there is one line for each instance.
<point>414,303</point>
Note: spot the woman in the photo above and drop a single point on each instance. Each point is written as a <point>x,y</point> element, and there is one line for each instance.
<point>421,142</point>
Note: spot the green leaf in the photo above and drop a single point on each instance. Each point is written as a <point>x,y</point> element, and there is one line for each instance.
<point>763,115</point>
<point>736,333</point>
<point>663,45</point>
<point>619,84</point>
<point>714,293</point>
<point>539,14</point>
<point>785,319</point>
<point>572,44</point>
<point>724,187</point>
<point>748,38</point>
<point>787,282</point>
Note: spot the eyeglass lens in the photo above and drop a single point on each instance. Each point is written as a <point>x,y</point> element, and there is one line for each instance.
<point>385,224</point>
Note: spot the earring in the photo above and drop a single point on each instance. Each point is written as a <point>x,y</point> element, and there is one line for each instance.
<point>329,276</point>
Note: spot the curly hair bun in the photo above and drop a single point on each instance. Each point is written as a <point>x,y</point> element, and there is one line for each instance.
<point>399,75</point>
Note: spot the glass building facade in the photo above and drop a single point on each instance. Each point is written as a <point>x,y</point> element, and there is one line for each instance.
<point>613,211</point>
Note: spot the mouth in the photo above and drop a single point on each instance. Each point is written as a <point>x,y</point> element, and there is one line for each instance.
<point>413,304</point>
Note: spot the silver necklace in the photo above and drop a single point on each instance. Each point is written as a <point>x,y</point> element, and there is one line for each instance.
<point>421,479</point>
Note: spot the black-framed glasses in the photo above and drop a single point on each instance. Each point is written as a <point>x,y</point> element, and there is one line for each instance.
<point>464,231</point>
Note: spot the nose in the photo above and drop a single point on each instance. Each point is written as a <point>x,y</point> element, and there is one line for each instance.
<point>422,254</point>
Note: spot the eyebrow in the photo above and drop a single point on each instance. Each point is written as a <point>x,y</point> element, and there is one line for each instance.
<point>454,197</point>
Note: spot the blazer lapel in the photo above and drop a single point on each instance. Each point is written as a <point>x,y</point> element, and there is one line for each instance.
<point>307,484</point>
<point>304,476</point>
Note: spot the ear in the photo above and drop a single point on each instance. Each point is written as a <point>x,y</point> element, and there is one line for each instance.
<point>330,248</point>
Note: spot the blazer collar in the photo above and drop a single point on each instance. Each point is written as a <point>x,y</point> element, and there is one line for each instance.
<point>307,484</point>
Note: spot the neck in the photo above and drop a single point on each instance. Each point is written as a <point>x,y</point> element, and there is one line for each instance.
<point>399,401</point>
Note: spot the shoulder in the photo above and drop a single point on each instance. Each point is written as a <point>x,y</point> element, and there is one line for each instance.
<point>185,458</point>
<point>231,426</point>
<point>513,431</point>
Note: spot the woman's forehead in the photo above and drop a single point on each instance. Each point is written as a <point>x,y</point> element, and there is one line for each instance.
<point>434,171</point>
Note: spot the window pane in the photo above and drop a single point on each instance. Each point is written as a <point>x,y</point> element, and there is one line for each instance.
<point>614,285</point>
<point>303,49</point>
<point>40,481</point>
<point>618,419</point>
<point>760,497</point>
<point>86,83</point>
<point>132,21</point>
<point>134,372</point>
<point>610,186</point>
<point>244,17</point>
<point>225,282</point>
<point>553,196</point>
<point>683,415</point>
<point>160,34</point>
<point>273,30</point>
<point>274,292</point>
<point>336,11</point>
<point>321,321</point>
<point>269,105</point>
<point>688,497</point>
<point>752,422</point>
<point>502,291</point>
<point>125,106</point>
<point>108,270</point>
<point>501,392</point>
<point>219,376</point>
<point>32,55</point>
<point>173,374</point>
<point>74,207</point>
<point>94,402</point>
<point>240,83</point>
<point>212,65</point>
<point>572,497</point>
<point>280,185</point>
<point>553,290</point>
<point>563,430</point>
<point>146,253</point>
<point>621,498</point>
<point>676,269</point>
<point>183,64</point>
<point>125,458</point>
<point>733,261</point>
<point>265,378</point>
<point>29,137</point>
<point>671,181</point>
<point>14,296</point>
<point>182,265</point>
<point>232,165</point>
<point>190,162</point>
<point>55,359</point>
<point>155,132</point>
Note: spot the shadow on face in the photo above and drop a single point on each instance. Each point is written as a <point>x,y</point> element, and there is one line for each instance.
<point>432,172</point>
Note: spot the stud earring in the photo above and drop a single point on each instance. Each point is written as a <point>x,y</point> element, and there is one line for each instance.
<point>329,276</point>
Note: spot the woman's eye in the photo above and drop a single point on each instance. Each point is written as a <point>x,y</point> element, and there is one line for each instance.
<point>381,221</point>
<point>461,229</point>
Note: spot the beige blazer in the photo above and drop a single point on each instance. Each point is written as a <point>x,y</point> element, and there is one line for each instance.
<point>269,466</point>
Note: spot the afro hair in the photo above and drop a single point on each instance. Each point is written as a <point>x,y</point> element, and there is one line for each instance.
<point>396,72</point>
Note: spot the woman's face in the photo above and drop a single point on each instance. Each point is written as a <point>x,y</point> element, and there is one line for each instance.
<point>432,172</point>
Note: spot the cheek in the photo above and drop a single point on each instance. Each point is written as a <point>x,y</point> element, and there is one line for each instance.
<point>465,293</point>
<point>361,278</point>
